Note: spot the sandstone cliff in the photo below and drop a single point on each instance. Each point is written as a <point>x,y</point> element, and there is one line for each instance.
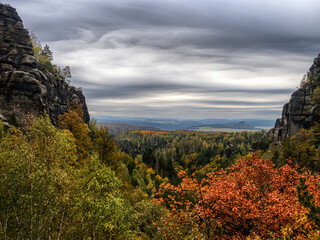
<point>302,111</point>
<point>26,87</point>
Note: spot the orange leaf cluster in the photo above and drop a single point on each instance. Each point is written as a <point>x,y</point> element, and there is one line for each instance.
<point>73,121</point>
<point>248,200</point>
<point>152,133</point>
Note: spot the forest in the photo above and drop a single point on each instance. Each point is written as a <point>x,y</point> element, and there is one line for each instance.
<point>77,181</point>
<point>194,152</point>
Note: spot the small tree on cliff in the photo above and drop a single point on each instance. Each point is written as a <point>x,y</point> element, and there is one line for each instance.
<point>66,73</point>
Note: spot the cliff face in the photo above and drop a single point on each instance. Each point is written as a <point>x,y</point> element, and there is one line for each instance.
<point>25,87</point>
<point>301,111</point>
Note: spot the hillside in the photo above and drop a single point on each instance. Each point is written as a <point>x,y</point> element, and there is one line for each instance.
<point>116,128</point>
<point>229,127</point>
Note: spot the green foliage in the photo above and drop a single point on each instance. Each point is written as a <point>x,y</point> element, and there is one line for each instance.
<point>137,180</point>
<point>315,79</point>
<point>43,55</point>
<point>303,149</point>
<point>2,128</point>
<point>13,120</point>
<point>316,96</point>
<point>146,214</point>
<point>316,133</point>
<point>169,152</point>
<point>36,181</point>
<point>45,192</point>
<point>105,147</point>
<point>307,200</point>
<point>93,127</point>
<point>101,211</point>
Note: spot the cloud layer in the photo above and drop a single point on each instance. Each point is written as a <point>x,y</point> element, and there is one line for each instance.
<point>180,58</point>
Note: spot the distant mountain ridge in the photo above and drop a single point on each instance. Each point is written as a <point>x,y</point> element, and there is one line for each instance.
<point>180,124</point>
<point>239,125</point>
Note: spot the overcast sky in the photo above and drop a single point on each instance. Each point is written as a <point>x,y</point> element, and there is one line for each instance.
<point>180,58</point>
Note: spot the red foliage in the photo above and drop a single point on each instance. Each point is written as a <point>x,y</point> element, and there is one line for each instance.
<point>252,198</point>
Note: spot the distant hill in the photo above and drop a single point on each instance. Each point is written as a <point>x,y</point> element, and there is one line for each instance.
<point>116,128</point>
<point>239,125</point>
<point>228,127</point>
<point>180,124</point>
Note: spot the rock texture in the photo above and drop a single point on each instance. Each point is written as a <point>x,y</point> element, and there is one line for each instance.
<point>301,111</point>
<point>25,87</point>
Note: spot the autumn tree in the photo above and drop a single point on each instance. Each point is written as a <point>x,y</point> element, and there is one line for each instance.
<point>303,149</point>
<point>45,193</point>
<point>250,199</point>
<point>73,121</point>
<point>105,146</point>
<point>36,181</point>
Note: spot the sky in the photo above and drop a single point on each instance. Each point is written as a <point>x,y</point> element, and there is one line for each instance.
<point>179,58</point>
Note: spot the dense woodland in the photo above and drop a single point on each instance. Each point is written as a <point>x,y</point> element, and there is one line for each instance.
<point>76,181</point>
<point>194,152</point>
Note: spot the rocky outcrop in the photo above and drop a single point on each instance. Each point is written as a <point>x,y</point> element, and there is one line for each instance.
<point>301,111</point>
<point>26,87</point>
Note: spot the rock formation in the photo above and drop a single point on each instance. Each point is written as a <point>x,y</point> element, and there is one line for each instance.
<point>25,86</point>
<point>301,111</point>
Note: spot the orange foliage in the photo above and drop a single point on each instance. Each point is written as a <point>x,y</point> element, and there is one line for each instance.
<point>152,133</point>
<point>73,121</point>
<point>248,200</point>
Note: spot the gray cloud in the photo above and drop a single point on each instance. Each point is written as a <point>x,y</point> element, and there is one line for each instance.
<point>212,24</point>
<point>209,58</point>
<point>148,89</point>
